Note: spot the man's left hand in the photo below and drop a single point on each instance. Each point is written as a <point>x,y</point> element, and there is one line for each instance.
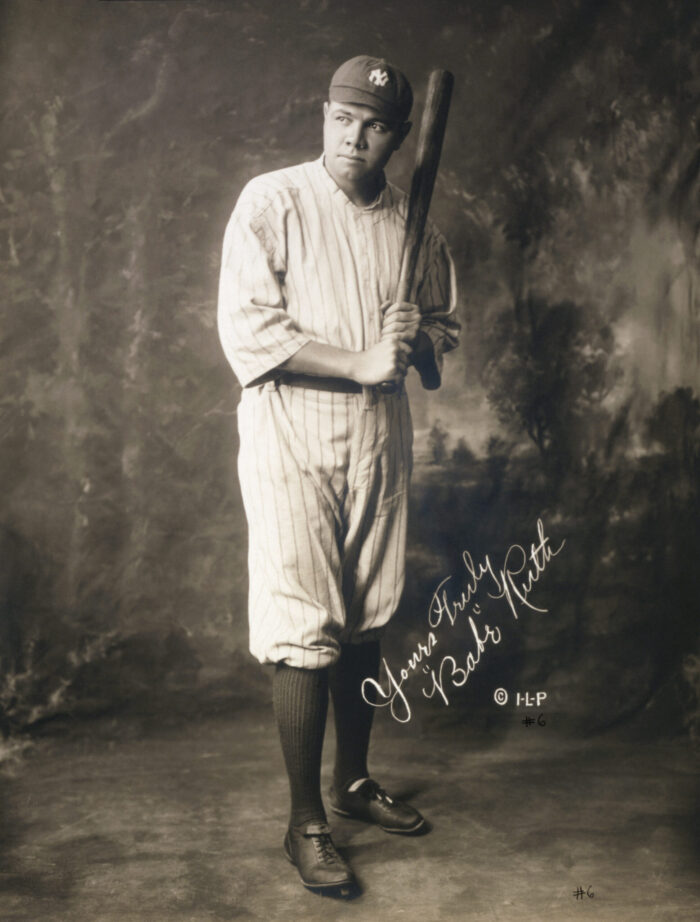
<point>400,319</point>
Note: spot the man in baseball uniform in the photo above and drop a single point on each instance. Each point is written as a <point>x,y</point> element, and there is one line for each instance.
<point>311,260</point>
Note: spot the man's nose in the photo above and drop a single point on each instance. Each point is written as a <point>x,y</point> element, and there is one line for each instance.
<point>355,136</point>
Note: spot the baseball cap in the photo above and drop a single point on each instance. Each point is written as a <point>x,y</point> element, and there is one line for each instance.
<point>373,82</point>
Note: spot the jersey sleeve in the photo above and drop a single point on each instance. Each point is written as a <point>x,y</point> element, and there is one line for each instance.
<point>257,334</point>
<point>437,298</point>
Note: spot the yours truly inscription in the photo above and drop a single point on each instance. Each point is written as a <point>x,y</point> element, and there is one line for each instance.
<point>512,583</point>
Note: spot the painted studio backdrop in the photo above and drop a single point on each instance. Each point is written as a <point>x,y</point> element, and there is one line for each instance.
<point>568,192</point>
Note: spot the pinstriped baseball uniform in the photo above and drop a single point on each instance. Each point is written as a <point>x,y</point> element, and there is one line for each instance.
<point>324,475</point>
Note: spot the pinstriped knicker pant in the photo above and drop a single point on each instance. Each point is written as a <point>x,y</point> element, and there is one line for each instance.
<point>324,478</point>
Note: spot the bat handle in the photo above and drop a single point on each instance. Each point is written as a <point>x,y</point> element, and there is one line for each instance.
<point>403,293</point>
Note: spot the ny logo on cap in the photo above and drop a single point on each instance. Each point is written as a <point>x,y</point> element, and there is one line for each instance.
<point>379,77</point>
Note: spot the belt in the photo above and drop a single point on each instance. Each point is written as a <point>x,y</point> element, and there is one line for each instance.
<point>338,385</point>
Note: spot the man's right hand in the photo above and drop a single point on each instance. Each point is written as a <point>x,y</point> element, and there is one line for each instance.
<point>385,361</point>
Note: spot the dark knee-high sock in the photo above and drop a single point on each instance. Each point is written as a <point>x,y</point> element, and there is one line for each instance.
<point>300,701</point>
<point>353,716</point>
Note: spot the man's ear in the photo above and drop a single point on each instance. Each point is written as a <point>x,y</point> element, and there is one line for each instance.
<point>325,109</point>
<point>402,133</point>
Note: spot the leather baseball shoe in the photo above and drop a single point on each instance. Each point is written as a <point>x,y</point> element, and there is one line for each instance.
<point>310,848</point>
<point>373,805</point>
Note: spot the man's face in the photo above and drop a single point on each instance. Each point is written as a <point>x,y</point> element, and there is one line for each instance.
<point>358,142</point>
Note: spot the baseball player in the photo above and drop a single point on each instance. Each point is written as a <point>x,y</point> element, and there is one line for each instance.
<point>311,259</point>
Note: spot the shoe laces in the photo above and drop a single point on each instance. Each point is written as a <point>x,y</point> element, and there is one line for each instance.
<point>325,849</point>
<point>377,792</point>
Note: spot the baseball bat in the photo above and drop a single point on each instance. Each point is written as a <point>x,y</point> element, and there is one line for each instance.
<point>430,138</point>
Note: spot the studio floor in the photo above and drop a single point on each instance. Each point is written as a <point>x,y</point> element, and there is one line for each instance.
<point>138,821</point>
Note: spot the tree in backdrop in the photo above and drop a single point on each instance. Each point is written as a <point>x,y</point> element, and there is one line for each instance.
<point>437,440</point>
<point>548,371</point>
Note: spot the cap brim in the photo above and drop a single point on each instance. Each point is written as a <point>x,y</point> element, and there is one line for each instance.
<point>351,95</point>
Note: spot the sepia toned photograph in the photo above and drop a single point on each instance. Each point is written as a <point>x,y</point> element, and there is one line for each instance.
<point>350,460</point>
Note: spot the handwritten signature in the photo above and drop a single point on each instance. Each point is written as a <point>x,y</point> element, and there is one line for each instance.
<point>513,582</point>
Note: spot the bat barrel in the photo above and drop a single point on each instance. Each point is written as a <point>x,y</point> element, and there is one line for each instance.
<point>434,120</point>
<point>430,138</point>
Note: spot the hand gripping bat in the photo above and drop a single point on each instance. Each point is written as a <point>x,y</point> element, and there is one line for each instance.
<point>432,132</point>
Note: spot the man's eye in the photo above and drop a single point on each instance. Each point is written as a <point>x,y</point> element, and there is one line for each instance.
<point>341,118</point>
<point>377,126</point>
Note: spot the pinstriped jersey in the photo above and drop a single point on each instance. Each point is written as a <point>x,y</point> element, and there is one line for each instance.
<point>301,263</point>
